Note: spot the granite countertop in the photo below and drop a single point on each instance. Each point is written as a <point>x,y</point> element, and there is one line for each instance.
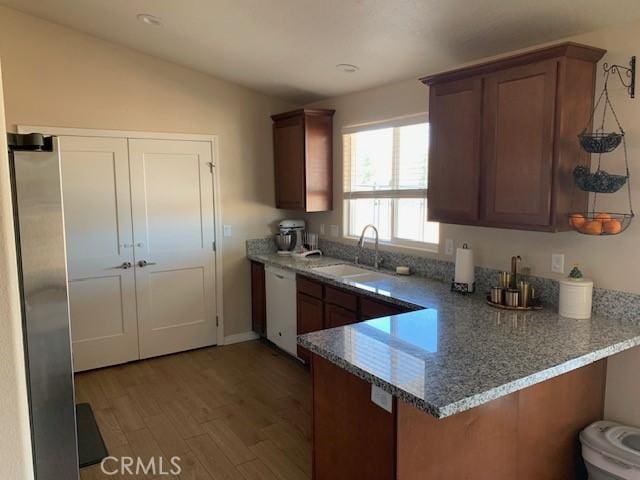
<point>457,352</point>
<point>409,291</point>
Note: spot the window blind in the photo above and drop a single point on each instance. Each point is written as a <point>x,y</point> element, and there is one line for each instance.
<point>383,160</point>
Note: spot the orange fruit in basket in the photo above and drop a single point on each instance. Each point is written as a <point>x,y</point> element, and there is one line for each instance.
<point>612,227</point>
<point>592,227</point>
<point>577,220</point>
<point>603,217</point>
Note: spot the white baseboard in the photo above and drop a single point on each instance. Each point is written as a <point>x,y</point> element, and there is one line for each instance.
<point>240,337</point>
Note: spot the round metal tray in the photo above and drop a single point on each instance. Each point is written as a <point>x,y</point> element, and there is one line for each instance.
<point>537,306</point>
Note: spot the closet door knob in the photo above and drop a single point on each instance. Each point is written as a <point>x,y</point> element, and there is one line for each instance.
<point>144,263</point>
<point>125,266</point>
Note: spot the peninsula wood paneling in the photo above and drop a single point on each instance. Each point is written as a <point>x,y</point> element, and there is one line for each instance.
<point>531,434</point>
<point>353,438</point>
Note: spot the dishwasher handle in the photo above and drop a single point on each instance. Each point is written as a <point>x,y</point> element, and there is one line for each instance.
<point>280,273</point>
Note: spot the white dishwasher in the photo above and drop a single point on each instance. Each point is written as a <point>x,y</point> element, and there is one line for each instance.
<point>281,308</point>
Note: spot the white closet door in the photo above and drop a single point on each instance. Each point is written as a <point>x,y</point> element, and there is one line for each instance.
<point>172,199</point>
<point>99,238</point>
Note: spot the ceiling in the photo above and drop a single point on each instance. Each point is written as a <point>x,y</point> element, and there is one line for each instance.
<point>289,48</point>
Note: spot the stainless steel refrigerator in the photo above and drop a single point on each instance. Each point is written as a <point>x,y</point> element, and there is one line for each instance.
<point>38,214</point>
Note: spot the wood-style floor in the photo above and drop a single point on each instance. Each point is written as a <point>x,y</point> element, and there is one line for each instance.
<point>236,412</point>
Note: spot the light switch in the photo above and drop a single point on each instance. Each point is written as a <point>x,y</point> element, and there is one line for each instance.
<point>448,247</point>
<point>335,231</point>
<point>226,230</point>
<point>322,229</point>
<point>557,262</point>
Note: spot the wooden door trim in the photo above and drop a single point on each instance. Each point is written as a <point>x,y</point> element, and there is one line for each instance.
<point>215,178</point>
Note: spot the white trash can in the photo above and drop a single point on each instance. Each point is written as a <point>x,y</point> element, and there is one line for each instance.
<point>611,451</point>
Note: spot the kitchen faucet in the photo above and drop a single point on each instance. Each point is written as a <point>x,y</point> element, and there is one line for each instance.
<point>377,260</point>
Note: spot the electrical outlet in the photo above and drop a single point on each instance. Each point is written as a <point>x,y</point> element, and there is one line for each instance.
<point>322,229</point>
<point>226,230</point>
<point>557,262</point>
<point>448,247</point>
<point>381,398</point>
<point>335,231</point>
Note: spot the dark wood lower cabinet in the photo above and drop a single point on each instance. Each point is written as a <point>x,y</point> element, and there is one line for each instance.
<point>309,287</point>
<point>323,306</point>
<point>335,316</point>
<point>341,298</point>
<point>258,299</point>
<point>353,438</point>
<point>310,319</point>
<point>374,309</point>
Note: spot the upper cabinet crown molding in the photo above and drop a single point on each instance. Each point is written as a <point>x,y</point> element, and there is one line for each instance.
<point>574,50</point>
<point>302,111</point>
<point>303,159</point>
<point>503,139</point>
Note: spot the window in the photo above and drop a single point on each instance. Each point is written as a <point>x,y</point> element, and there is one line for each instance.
<point>385,173</point>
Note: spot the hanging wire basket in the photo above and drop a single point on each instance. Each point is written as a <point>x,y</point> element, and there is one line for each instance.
<point>595,221</point>
<point>599,142</point>
<point>598,182</point>
<point>600,223</point>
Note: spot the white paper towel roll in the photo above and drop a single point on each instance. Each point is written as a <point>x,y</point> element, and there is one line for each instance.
<point>464,266</point>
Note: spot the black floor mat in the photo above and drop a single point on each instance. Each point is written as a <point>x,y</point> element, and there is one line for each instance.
<point>91,448</point>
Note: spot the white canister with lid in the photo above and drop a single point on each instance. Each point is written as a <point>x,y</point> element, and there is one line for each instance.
<point>576,295</point>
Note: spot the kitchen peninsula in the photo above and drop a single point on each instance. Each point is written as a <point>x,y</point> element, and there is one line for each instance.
<point>476,392</point>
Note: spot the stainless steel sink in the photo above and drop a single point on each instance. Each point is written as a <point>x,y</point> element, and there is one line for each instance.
<point>341,270</point>
<point>345,271</point>
<point>368,277</point>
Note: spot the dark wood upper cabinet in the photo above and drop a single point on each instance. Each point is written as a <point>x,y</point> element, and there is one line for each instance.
<point>518,140</point>
<point>258,299</point>
<point>454,144</point>
<point>503,141</point>
<point>303,159</point>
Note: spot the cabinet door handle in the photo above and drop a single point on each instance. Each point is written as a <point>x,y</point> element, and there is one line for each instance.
<point>125,266</point>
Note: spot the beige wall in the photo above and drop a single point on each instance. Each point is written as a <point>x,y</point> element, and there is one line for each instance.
<point>613,262</point>
<point>56,76</point>
<point>15,441</point>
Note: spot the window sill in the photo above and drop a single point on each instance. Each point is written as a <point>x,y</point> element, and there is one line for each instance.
<point>432,248</point>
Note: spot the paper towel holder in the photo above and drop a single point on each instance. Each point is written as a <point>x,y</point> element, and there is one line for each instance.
<point>464,288</point>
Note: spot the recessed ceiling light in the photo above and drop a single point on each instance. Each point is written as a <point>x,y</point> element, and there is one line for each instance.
<point>347,68</point>
<point>149,19</point>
